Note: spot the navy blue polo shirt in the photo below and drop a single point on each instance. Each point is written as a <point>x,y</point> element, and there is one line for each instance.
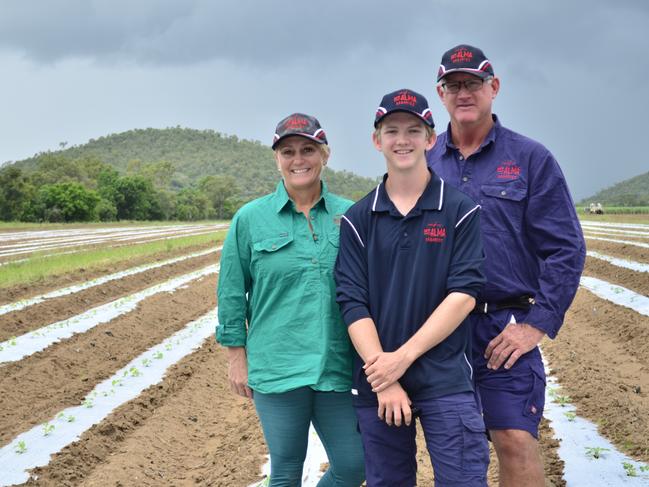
<point>397,269</point>
<point>532,237</point>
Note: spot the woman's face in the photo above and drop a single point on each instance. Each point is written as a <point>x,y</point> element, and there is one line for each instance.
<point>300,161</point>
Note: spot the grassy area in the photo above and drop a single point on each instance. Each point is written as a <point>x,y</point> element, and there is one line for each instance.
<point>20,226</point>
<point>613,218</point>
<point>43,267</point>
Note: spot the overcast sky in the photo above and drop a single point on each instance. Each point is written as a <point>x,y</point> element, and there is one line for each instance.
<point>573,73</point>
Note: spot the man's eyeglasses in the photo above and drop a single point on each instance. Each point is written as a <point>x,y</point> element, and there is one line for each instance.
<point>470,85</point>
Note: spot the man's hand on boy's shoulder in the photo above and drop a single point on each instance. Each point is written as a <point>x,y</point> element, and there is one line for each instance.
<point>394,406</point>
<point>515,340</point>
<point>385,368</point>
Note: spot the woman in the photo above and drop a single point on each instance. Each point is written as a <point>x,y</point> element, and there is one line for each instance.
<point>288,348</point>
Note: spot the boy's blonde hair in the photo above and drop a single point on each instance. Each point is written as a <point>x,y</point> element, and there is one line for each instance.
<point>430,131</point>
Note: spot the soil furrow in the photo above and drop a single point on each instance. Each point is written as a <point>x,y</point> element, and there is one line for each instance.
<point>601,359</point>
<point>633,280</point>
<point>622,251</point>
<point>39,386</point>
<point>56,309</point>
<point>187,430</point>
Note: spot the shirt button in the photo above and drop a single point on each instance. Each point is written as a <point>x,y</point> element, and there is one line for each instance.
<point>461,158</point>
<point>274,246</point>
<point>314,261</point>
<point>465,179</point>
<point>405,234</point>
<point>503,193</point>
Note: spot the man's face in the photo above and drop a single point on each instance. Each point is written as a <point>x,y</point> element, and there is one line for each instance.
<point>466,106</point>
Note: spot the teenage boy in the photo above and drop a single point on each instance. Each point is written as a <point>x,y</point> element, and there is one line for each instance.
<point>535,254</point>
<point>408,272</point>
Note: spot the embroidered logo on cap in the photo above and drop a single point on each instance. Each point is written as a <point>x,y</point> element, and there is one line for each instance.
<point>405,98</point>
<point>296,123</point>
<point>434,233</point>
<point>461,56</point>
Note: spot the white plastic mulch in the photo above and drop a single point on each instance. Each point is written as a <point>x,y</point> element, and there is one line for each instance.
<point>626,242</point>
<point>616,294</point>
<point>627,264</point>
<point>19,347</point>
<point>24,303</point>
<point>34,447</point>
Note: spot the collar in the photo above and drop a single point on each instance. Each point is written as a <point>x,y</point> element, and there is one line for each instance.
<point>431,199</point>
<point>282,200</point>
<point>489,139</point>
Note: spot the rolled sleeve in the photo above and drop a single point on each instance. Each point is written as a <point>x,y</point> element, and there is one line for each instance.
<point>352,292</point>
<point>233,286</point>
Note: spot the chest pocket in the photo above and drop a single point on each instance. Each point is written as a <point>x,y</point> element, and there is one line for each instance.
<point>273,257</point>
<point>503,206</point>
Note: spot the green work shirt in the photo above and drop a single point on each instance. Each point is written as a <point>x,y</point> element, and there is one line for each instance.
<point>277,276</point>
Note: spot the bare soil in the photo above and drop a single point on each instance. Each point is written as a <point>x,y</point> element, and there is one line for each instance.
<point>52,310</point>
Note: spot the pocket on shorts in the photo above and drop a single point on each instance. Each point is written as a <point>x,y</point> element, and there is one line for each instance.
<point>536,398</point>
<point>475,453</point>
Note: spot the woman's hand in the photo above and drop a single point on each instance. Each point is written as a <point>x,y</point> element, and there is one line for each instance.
<point>238,371</point>
<point>384,369</point>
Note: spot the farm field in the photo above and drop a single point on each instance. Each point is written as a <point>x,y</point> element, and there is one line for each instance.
<point>113,370</point>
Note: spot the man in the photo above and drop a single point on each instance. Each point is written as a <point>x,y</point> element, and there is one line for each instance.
<point>534,249</point>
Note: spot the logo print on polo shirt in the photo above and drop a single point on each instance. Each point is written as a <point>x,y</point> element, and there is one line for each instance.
<point>508,170</point>
<point>405,98</point>
<point>461,56</point>
<point>434,233</point>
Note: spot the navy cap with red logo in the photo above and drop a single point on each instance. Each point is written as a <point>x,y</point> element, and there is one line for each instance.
<point>404,101</point>
<point>299,124</point>
<point>465,59</point>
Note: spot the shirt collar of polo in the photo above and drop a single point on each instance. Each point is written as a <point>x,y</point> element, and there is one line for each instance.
<point>431,199</point>
<point>282,199</point>
<point>489,139</point>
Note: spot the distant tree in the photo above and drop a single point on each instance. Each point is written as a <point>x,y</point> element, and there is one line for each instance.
<point>66,202</point>
<point>136,199</point>
<point>220,190</point>
<point>16,191</point>
<point>192,204</point>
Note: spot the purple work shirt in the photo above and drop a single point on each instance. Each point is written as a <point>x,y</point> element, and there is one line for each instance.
<point>533,241</point>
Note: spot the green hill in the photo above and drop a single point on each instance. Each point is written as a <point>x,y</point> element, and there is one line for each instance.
<point>632,192</point>
<point>149,174</point>
<point>198,153</point>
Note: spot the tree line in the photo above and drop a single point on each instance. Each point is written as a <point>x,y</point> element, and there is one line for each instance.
<point>148,174</point>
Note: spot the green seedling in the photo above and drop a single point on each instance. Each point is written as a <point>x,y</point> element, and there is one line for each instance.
<point>644,468</point>
<point>48,429</point>
<point>134,372</point>
<point>116,382</point>
<point>562,400</point>
<point>552,393</point>
<point>1,348</point>
<point>595,451</point>
<point>629,469</point>
<point>71,419</point>
<point>146,362</point>
<point>21,447</point>
<point>168,346</point>
<point>12,341</point>
<point>87,403</point>
<point>158,355</point>
<point>570,415</point>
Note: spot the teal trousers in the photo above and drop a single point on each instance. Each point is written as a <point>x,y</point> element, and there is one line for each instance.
<point>285,419</point>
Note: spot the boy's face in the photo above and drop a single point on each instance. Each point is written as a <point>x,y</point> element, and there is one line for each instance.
<point>403,140</point>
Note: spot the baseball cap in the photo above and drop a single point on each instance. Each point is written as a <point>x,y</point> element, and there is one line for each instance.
<point>404,100</point>
<point>299,124</point>
<point>467,59</point>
